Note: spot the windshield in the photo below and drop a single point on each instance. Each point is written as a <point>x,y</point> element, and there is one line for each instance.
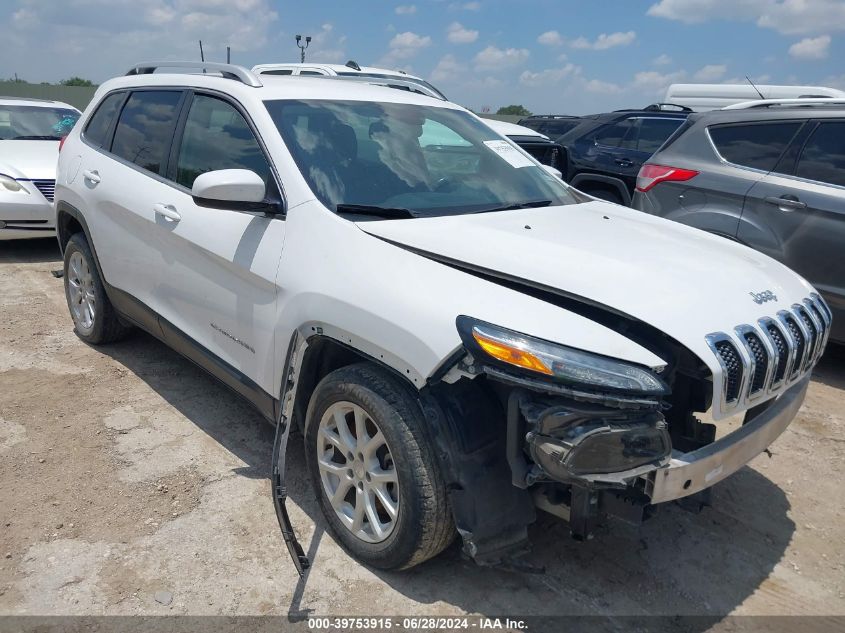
<point>423,160</point>
<point>35,123</point>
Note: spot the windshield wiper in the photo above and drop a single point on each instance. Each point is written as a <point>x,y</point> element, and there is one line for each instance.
<point>517,205</point>
<point>37,138</point>
<point>381,212</point>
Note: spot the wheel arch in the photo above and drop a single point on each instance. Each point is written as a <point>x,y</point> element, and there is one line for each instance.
<point>313,353</point>
<point>584,180</point>
<point>69,220</point>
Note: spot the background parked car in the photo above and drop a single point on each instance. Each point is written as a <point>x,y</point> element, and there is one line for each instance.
<point>540,146</point>
<point>770,174</point>
<point>552,125</point>
<point>30,131</point>
<point>604,152</point>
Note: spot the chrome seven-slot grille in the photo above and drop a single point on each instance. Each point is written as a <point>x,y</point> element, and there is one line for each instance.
<point>772,354</point>
<point>46,187</point>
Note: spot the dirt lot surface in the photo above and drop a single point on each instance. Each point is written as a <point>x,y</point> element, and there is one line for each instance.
<point>131,483</point>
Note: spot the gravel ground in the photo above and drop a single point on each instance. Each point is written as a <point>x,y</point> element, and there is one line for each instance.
<point>131,483</point>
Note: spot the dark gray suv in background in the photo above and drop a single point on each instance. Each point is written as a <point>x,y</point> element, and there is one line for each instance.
<point>769,174</point>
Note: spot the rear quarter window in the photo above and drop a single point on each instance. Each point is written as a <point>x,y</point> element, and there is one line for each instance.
<point>755,145</point>
<point>98,126</point>
<point>823,157</point>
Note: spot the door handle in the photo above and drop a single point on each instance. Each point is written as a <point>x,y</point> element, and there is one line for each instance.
<point>623,162</point>
<point>786,203</point>
<point>91,176</point>
<point>167,211</point>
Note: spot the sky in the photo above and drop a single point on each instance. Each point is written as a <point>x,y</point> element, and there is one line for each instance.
<point>552,56</point>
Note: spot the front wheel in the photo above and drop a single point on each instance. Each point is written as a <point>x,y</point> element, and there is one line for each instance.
<point>374,469</point>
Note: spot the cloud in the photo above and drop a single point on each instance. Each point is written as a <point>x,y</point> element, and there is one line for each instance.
<point>492,58</point>
<point>597,86</point>
<point>465,6</point>
<point>710,73</point>
<point>57,39</point>
<point>550,38</point>
<point>654,82</point>
<point>406,9</point>
<point>811,48</point>
<point>457,34</point>
<point>447,70</point>
<point>605,41</point>
<point>404,46</point>
<point>662,60</point>
<point>791,17</point>
<point>327,46</point>
<point>548,76</point>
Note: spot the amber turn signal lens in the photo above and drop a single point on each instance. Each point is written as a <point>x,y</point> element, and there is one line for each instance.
<point>511,355</point>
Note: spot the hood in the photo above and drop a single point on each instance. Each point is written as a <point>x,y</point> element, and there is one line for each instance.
<point>29,159</point>
<point>683,281</point>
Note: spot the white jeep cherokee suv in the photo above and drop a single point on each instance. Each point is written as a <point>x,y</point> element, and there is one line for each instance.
<point>460,336</point>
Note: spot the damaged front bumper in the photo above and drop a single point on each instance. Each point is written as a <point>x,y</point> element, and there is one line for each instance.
<point>603,449</point>
<point>692,472</point>
<point>579,456</point>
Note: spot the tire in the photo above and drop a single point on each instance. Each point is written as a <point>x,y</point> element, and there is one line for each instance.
<point>404,472</point>
<point>605,194</point>
<point>94,318</point>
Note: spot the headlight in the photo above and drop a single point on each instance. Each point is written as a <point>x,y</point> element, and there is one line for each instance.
<point>557,362</point>
<point>10,184</point>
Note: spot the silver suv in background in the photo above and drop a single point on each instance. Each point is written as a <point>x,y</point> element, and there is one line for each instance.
<point>769,174</point>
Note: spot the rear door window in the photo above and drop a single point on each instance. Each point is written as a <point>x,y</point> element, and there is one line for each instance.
<point>612,135</point>
<point>823,157</point>
<point>756,145</point>
<point>98,127</point>
<point>146,127</point>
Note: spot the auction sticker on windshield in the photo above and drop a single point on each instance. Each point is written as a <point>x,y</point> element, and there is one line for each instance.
<point>509,153</point>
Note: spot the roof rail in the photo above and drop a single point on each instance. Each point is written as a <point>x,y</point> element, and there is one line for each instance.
<point>389,82</point>
<point>768,103</point>
<point>660,107</point>
<point>229,71</point>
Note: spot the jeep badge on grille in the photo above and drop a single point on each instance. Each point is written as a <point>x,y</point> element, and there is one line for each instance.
<point>762,297</point>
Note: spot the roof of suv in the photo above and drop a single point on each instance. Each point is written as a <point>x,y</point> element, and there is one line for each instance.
<point>590,122</point>
<point>812,110</point>
<point>239,81</point>
<point>335,68</point>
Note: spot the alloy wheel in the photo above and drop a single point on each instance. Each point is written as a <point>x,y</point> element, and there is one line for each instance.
<point>357,472</point>
<point>83,303</point>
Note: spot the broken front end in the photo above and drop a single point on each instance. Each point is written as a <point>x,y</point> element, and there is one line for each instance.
<point>522,423</point>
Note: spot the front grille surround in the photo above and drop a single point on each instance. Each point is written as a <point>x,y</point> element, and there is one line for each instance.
<point>796,334</point>
<point>775,353</point>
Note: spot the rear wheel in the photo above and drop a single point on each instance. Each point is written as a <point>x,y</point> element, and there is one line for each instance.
<point>94,318</point>
<point>374,469</point>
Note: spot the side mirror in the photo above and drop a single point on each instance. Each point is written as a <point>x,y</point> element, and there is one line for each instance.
<point>554,172</point>
<point>237,186</point>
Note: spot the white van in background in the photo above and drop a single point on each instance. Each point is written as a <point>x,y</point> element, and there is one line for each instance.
<point>704,97</point>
